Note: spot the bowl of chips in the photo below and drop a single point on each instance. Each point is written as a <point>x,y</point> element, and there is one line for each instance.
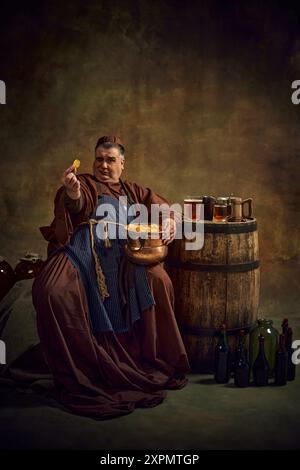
<point>144,244</point>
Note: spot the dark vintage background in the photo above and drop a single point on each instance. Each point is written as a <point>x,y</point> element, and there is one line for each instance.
<point>200,91</point>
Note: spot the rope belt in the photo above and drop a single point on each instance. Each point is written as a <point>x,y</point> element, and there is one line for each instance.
<point>100,275</point>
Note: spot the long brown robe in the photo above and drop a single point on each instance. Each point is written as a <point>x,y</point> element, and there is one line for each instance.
<point>104,374</point>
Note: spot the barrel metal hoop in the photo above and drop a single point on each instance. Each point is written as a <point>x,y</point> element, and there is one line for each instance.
<point>227,228</point>
<point>221,268</point>
<point>211,332</point>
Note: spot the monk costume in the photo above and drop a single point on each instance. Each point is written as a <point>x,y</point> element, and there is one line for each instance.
<point>107,326</point>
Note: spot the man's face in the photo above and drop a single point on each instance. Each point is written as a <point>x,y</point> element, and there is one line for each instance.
<point>108,165</point>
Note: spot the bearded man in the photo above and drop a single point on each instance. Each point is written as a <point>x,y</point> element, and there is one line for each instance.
<point>107,326</point>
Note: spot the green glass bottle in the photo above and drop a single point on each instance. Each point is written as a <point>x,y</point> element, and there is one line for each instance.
<point>264,327</point>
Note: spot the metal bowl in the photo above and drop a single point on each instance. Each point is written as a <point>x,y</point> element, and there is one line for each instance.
<point>145,251</point>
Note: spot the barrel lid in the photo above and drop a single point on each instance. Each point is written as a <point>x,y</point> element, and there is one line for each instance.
<point>249,225</point>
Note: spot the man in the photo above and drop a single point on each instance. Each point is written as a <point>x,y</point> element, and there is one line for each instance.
<point>107,327</point>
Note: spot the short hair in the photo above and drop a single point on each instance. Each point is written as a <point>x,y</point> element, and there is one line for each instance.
<point>110,145</point>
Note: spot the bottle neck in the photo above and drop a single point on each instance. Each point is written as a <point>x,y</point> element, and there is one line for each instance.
<point>289,337</point>
<point>242,341</point>
<point>223,338</point>
<point>282,342</point>
<point>285,325</point>
<point>262,346</point>
<point>242,354</point>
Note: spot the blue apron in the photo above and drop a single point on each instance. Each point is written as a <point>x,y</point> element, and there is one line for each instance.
<point>117,312</point>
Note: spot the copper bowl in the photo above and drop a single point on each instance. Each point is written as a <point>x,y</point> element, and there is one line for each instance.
<point>146,250</point>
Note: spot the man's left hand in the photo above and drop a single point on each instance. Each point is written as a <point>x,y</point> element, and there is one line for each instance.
<point>169,229</point>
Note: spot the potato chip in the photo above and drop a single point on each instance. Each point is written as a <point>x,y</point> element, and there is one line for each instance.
<point>76,164</point>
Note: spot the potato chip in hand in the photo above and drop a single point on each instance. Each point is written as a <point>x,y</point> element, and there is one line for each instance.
<point>76,164</point>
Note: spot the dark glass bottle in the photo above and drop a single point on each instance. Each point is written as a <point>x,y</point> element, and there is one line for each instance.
<point>235,354</point>
<point>241,345</point>
<point>284,326</point>
<point>264,327</point>
<point>242,368</point>
<point>222,357</point>
<point>291,367</point>
<point>281,362</point>
<point>261,366</point>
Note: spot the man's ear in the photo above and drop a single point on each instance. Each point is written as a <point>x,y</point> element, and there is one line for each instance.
<point>123,163</point>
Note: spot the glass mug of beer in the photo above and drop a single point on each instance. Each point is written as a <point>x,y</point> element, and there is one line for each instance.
<point>221,209</point>
<point>192,208</point>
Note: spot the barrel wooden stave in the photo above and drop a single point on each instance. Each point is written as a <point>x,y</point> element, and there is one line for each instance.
<point>206,299</point>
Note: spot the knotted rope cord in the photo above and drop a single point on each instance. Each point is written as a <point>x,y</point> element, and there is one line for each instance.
<point>100,275</point>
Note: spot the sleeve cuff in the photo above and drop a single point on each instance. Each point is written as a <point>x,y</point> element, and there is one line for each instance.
<point>74,205</point>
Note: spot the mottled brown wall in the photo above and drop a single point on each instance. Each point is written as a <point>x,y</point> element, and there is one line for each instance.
<point>199,91</point>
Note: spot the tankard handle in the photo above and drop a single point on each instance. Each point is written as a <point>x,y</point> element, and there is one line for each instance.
<point>249,203</point>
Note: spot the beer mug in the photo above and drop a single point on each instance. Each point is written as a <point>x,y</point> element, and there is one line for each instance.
<point>221,209</point>
<point>238,213</point>
<point>192,208</point>
<point>209,202</point>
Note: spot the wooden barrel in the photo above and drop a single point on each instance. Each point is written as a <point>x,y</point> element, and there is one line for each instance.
<point>214,285</point>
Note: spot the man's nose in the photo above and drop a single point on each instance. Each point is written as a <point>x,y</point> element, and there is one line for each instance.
<point>104,164</point>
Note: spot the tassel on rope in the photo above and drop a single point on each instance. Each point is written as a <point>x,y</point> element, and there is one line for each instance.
<point>107,242</point>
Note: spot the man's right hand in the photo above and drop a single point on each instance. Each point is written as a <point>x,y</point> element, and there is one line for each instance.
<point>71,183</point>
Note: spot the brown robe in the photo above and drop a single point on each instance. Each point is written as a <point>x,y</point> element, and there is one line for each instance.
<point>104,374</point>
